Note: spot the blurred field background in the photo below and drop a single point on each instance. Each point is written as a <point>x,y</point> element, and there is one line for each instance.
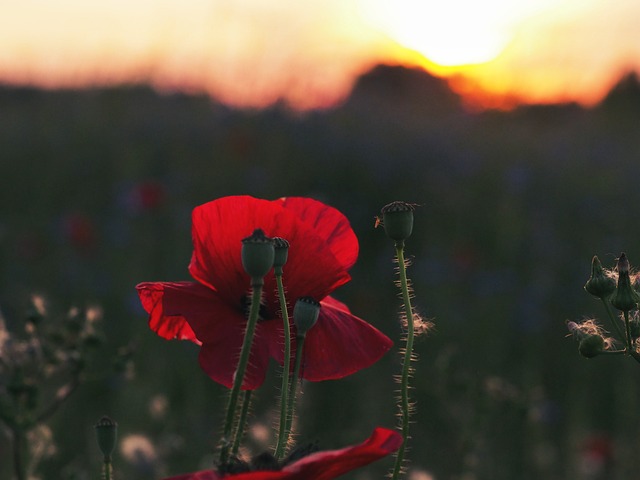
<point>96,190</point>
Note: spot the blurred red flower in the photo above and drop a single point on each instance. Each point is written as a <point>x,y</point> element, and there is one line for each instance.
<point>212,311</point>
<point>318,466</point>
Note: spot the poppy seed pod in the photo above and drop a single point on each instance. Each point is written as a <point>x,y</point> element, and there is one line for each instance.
<point>599,284</point>
<point>257,254</point>
<point>397,220</point>
<point>106,433</point>
<point>625,297</point>
<point>591,346</point>
<point>305,314</point>
<point>281,247</point>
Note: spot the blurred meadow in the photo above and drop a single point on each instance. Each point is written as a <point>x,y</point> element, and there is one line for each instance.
<point>96,192</point>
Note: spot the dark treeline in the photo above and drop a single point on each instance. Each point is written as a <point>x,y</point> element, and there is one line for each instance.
<point>96,189</point>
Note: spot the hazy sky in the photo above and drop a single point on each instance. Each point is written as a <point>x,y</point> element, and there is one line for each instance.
<point>254,52</point>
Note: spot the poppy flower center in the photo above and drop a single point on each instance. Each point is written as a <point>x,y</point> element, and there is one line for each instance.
<point>264,313</point>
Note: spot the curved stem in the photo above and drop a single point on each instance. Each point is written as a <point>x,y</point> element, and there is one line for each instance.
<point>246,402</point>
<point>284,401</point>
<point>238,379</point>
<point>293,387</point>
<point>628,329</point>
<point>613,318</point>
<point>406,364</point>
<point>630,350</point>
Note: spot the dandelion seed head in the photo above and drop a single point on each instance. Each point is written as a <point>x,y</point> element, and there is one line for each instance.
<point>420,475</point>
<point>158,406</point>
<point>39,304</point>
<point>138,450</point>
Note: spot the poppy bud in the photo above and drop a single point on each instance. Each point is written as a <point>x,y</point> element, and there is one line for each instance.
<point>591,346</point>
<point>625,297</point>
<point>281,247</point>
<point>106,434</point>
<point>397,220</point>
<point>257,254</point>
<point>305,314</point>
<point>599,284</point>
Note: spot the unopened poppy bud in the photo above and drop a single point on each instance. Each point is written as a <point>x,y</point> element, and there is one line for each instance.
<point>599,284</point>
<point>281,247</point>
<point>305,314</point>
<point>625,297</point>
<point>106,434</point>
<point>397,220</point>
<point>591,346</point>
<point>257,254</point>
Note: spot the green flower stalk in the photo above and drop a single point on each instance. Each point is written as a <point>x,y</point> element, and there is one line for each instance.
<point>397,220</point>
<point>257,259</point>
<point>625,299</point>
<point>281,254</point>
<point>305,316</point>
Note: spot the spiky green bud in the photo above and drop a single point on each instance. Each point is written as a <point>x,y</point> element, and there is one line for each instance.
<point>599,284</point>
<point>591,346</point>
<point>257,254</point>
<point>625,297</point>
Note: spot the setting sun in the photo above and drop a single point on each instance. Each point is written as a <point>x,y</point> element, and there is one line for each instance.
<point>453,33</point>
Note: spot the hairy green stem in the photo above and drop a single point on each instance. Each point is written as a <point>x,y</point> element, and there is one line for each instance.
<point>613,318</point>
<point>256,285</point>
<point>406,364</point>
<point>244,412</point>
<point>18,448</point>
<point>293,387</point>
<point>284,401</point>
<point>107,469</point>
<point>630,350</point>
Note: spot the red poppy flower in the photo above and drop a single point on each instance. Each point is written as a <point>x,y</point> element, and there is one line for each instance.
<point>212,311</point>
<point>318,466</point>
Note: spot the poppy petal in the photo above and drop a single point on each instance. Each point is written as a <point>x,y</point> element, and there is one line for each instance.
<point>196,311</point>
<point>341,344</point>
<point>168,325</point>
<point>326,465</point>
<point>218,229</point>
<point>219,360</point>
<point>333,463</point>
<point>329,224</point>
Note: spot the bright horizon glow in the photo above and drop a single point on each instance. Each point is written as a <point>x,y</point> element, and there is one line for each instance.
<point>454,32</point>
<point>252,53</point>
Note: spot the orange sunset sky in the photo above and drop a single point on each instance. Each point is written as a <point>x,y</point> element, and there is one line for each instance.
<point>251,53</point>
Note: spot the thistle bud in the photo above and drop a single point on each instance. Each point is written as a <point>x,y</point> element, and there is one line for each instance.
<point>257,254</point>
<point>305,314</point>
<point>106,434</point>
<point>281,247</point>
<point>625,297</point>
<point>397,220</point>
<point>591,346</point>
<point>599,284</point>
